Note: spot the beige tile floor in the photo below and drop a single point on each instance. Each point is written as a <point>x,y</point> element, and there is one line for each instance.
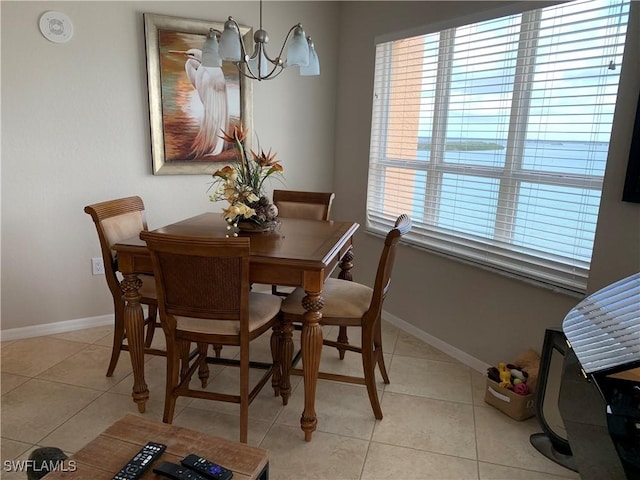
<point>435,426</point>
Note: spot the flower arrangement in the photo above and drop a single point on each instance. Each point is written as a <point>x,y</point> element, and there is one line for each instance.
<point>242,184</point>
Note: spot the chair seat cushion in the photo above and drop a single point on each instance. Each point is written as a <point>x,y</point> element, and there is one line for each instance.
<point>342,299</point>
<point>263,307</point>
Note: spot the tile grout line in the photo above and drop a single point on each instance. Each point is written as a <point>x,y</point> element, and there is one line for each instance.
<point>367,451</point>
<point>475,426</point>
<point>71,417</point>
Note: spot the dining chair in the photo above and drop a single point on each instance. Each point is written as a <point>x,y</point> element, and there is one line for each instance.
<point>297,204</point>
<point>204,297</point>
<point>351,304</point>
<point>313,206</point>
<point>116,220</point>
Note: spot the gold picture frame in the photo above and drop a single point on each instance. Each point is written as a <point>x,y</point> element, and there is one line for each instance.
<point>180,97</point>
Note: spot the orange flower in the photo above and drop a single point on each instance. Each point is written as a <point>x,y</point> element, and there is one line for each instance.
<point>276,167</point>
<point>227,173</point>
<point>236,134</point>
<point>264,159</point>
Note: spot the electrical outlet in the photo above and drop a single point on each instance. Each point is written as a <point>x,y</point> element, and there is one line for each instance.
<point>97,267</point>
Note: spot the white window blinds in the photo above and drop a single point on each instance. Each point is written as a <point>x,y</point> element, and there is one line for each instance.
<point>494,137</point>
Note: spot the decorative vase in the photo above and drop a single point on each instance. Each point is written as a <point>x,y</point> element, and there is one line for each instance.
<point>255,226</point>
<point>265,219</point>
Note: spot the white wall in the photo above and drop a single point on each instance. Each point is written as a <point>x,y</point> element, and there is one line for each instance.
<point>490,317</point>
<point>75,131</point>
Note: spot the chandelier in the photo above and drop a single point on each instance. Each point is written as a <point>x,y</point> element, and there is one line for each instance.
<point>229,46</point>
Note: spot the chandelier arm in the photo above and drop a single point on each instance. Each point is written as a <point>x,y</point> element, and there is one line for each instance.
<point>243,73</point>
<point>278,59</point>
<point>271,73</point>
<point>258,56</point>
<point>247,57</point>
<point>274,61</point>
<point>274,75</point>
<point>256,75</point>
<point>275,71</point>
<point>246,71</point>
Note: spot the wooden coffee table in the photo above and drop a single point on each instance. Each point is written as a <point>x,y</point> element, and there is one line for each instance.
<point>104,456</point>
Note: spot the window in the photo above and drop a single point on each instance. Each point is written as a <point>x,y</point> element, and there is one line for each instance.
<point>494,137</point>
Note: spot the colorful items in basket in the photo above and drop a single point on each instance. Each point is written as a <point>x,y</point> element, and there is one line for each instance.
<point>520,376</point>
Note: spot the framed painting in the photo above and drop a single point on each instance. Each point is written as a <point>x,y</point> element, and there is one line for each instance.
<point>189,104</point>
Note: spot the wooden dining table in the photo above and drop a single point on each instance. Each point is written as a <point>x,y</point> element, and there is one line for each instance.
<point>298,253</point>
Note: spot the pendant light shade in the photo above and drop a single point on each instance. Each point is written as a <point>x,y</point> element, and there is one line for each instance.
<point>298,49</point>
<point>230,46</point>
<point>313,67</point>
<point>210,52</point>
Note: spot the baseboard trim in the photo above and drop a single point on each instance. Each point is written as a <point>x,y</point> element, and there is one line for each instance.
<point>102,320</point>
<point>435,342</point>
<point>55,327</point>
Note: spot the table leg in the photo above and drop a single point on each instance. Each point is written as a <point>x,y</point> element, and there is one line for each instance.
<point>311,345</point>
<point>346,264</point>
<point>276,355</point>
<point>134,328</point>
<point>285,359</point>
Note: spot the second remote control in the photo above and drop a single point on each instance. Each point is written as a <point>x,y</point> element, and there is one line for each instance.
<point>140,462</point>
<point>207,468</point>
<point>176,472</point>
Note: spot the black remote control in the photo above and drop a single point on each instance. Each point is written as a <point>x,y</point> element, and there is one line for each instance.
<point>210,470</point>
<point>171,470</point>
<point>142,460</point>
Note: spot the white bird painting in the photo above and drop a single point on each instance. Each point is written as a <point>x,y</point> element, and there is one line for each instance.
<point>210,85</point>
